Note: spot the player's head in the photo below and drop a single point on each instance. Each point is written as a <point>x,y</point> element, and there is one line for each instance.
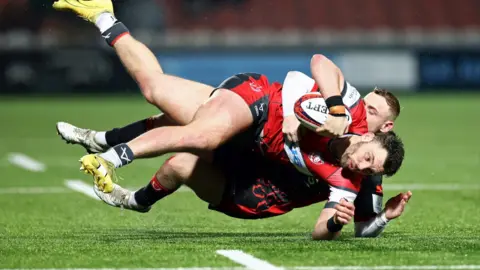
<point>382,110</point>
<point>374,154</point>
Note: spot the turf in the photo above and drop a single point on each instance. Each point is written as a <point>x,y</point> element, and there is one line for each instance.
<point>71,230</point>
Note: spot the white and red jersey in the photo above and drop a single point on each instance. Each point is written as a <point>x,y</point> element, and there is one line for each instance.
<point>311,157</point>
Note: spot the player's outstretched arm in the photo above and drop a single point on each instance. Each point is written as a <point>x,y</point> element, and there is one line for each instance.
<point>393,209</point>
<point>332,220</point>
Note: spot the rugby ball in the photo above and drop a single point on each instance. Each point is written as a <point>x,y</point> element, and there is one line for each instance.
<point>312,111</point>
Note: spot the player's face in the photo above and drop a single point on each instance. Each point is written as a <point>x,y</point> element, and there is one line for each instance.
<point>378,113</point>
<point>366,156</point>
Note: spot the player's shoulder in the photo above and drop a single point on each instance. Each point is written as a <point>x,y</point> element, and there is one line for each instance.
<point>323,168</point>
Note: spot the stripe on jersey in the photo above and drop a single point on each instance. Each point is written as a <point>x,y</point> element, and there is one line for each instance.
<point>336,194</point>
<point>296,158</point>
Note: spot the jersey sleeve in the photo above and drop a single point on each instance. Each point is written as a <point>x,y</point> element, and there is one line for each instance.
<point>343,184</point>
<point>296,85</point>
<point>369,200</point>
<point>359,119</point>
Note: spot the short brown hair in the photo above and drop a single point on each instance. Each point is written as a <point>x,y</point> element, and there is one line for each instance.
<point>395,151</point>
<point>392,101</point>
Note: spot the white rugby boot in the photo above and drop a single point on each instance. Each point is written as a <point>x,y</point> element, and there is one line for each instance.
<point>84,137</point>
<point>120,197</point>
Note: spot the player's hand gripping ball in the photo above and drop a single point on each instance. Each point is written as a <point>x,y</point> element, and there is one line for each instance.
<point>312,111</point>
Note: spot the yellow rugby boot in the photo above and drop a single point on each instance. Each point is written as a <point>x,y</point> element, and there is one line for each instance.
<point>86,9</point>
<point>103,172</point>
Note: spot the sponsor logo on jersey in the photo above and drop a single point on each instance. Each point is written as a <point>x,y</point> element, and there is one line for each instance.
<point>255,87</point>
<point>315,158</point>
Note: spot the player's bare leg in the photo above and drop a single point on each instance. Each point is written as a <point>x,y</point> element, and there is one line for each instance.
<point>164,91</point>
<point>223,116</point>
<point>179,98</point>
<point>100,141</point>
<point>219,119</point>
<point>181,169</point>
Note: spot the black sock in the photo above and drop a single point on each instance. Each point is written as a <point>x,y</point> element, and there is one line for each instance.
<point>151,193</point>
<point>129,132</point>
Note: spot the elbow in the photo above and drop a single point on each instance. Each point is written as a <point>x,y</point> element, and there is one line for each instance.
<point>321,63</point>
<point>319,60</point>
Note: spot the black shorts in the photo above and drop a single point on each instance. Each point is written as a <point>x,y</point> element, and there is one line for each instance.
<point>249,192</point>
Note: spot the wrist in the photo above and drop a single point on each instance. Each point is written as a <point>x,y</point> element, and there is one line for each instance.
<point>335,105</point>
<point>333,225</point>
<point>381,219</point>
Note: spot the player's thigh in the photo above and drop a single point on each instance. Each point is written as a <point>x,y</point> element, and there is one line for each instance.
<point>223,116</point>
<point>197,173</point>
<point>180,98</point>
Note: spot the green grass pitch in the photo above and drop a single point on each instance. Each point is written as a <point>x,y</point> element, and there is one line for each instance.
<point>71,230</point>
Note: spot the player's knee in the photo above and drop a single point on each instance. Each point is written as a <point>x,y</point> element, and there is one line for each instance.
<point>201,135</point>
<point>148,95</point>
<point>176,169</point>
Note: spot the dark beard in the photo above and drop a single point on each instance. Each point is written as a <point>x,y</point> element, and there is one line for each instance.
<point>352,148</point>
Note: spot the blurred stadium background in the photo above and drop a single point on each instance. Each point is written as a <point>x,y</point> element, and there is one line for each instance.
<point>56,67</point>
<point>408,45</point>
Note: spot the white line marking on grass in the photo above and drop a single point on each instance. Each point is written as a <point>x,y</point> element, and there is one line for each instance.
<point>389,267</point>
<point>178,268</point>
<point>33,190</point>
<point>26,162</point>
<point>247,260</point>
<point>432,187</point>
<point>81,187</point>
<point>384,267</point>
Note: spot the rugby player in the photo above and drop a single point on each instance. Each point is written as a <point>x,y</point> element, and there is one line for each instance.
<point>135,63</point>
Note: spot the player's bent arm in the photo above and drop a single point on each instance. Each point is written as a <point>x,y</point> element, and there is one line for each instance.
<point>393,209</point>
<point>295,85</point>
<point>327,75</point>
<point>332,220</point>
<point>371,228</point>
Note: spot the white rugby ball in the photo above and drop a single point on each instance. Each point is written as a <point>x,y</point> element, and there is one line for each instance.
<point>312,111</point>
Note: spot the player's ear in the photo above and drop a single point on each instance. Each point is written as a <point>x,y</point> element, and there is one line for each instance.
<point>387,126</point>
<point>368,137</point>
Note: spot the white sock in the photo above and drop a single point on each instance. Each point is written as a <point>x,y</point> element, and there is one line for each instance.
<point>105,21</point>
<point>112,156</point>
<point>100,138</point>
<point>132,201</point>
